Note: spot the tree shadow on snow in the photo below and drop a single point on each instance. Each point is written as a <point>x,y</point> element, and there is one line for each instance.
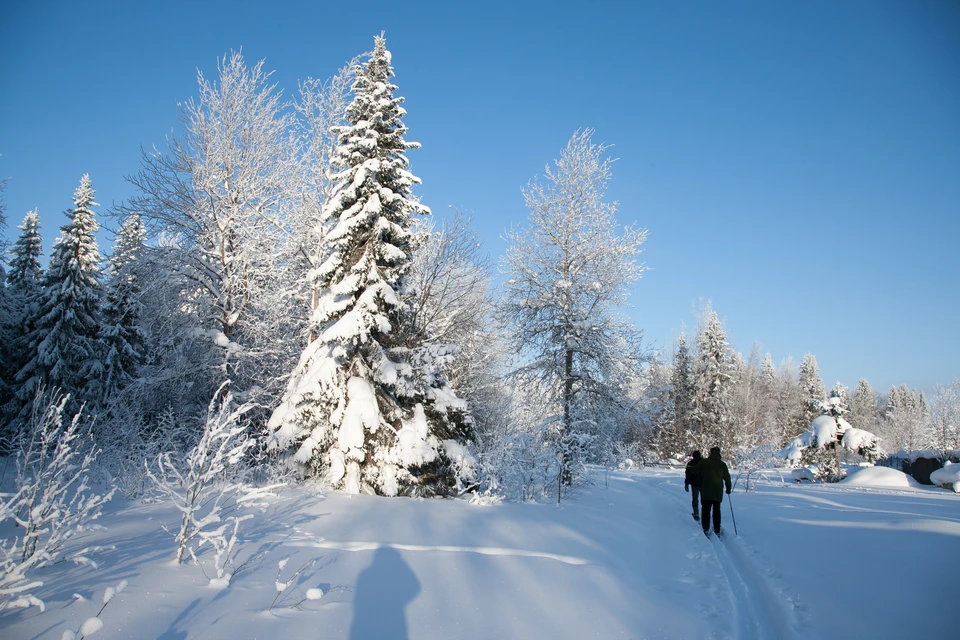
<point>382,593</point>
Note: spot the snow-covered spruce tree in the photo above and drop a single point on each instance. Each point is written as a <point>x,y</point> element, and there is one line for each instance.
<point>674,439</point>
<point>811,394</point>
<point>218,198</point>
<point>363,407</point>
<point>905,423</point>
<point>567,275</point>
<point>121,333</point>
<point>863,410</point>
<point>768,388</point>
<point>712,385</point>
<point>7,314</point>
<point>64,344</point>
<point>24,285</point>
<point>945,417</point>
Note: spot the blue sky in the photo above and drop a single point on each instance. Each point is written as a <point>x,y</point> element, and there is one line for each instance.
<point>796,163</point>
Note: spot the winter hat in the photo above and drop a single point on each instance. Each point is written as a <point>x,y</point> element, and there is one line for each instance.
<point>714,450</point>
<point>696,455</point>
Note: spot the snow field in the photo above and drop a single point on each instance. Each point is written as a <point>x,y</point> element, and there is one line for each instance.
<point>622,559</point>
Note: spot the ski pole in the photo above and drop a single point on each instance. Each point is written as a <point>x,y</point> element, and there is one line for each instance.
<point>730,502</point>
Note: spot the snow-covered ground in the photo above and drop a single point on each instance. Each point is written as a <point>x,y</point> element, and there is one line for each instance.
<point>621,559</point>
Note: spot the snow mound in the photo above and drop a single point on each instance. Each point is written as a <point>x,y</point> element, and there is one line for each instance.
<point>803,474</point>
<point>949,475</point>
<point>881,477</point>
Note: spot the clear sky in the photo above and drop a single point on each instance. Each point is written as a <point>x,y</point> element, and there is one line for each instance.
<point>796,163</point>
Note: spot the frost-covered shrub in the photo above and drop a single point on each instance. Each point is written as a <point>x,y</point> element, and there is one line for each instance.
<point>205,492</point>
<point>52,500</point>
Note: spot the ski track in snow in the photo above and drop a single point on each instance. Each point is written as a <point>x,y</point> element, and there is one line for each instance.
<point>760,614</point>
<point>486,551</point>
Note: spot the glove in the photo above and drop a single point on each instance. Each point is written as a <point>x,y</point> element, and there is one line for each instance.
<point>686,488</point>
<point>728,491</point>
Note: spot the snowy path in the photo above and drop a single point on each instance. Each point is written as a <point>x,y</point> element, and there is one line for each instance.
<point>759,612</point>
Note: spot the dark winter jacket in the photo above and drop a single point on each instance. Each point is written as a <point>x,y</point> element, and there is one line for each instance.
<point>713,475</point>
<point>691,476</point>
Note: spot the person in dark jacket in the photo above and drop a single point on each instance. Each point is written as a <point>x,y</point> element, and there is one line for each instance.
<point>714,474</point>
<point>692,479</point>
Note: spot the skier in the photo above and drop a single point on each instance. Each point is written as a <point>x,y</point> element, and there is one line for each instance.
<point>713,475</point>
<point>691,478</point>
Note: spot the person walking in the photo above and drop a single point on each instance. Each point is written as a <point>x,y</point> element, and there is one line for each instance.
<point>714,474</point>
<point>691,478</point>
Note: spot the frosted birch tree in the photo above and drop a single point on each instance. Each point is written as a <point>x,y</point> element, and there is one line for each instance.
<point>218,198</point>
<point>568,273</point>
<point>363,408</point>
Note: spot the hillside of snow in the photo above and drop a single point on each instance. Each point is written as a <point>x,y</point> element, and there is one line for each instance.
<point>621,559</point>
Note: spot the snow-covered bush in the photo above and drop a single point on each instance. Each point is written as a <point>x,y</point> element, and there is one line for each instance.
<point>822,445</point>
<point>203,490</point>
<point>52,500</point>
<point>948,477</point>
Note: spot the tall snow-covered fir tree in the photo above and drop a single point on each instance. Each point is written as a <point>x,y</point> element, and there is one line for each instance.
<point>24,285</point>
<point>24,272</point>
<point>863,411</point>
<point>712,382</point>
<point>812,394</point>
<point>675,440</point>
<point>121,333</point>
<point>6,311</point>
<point>64,344</point>
<point>365,408</point>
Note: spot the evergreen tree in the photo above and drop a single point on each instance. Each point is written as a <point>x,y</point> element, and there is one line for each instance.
<point>24,285</point>
<point>6,312</point>
<point>769,391</point>
<point>812,394</point>
<point>64,346</point>
<point>25,273</point>
<point>676,440</point>
<point>863,412</point>
<point>713,376</point>
<point>121,333</point>
<point>369,410</point>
